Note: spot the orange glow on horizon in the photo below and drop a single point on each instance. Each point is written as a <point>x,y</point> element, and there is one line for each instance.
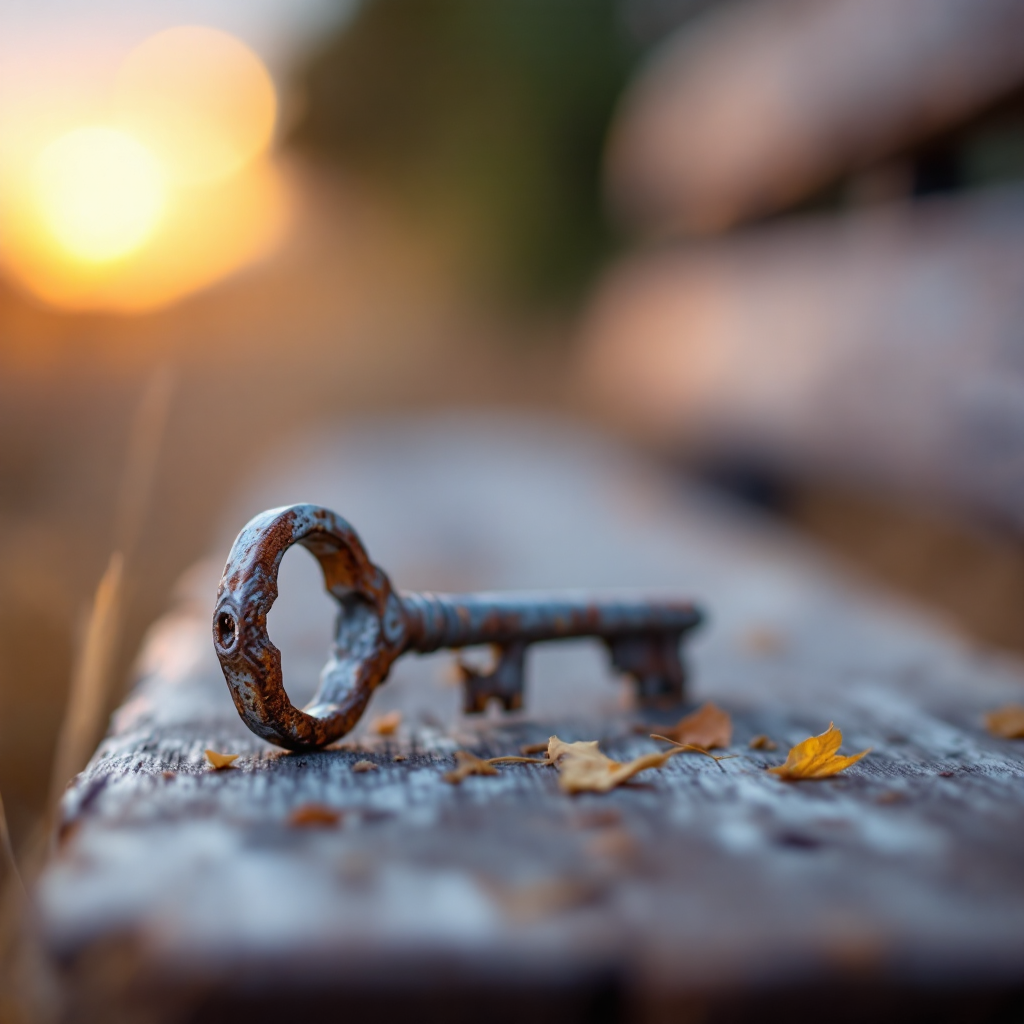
<point>163,191</point>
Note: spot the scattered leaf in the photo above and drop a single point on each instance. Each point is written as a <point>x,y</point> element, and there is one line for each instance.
<point>537,900</point>
<point>763,742</point>
<point>764,641</point>
<point>400,757</point>
<point>168,774</point>
<point>314,816</point>
<point>1007,722</point>
<point>583,768</point>
<point>221,760</point>
<point>467,764</point>
<point>386,725</point>
<point>707,727</point>
<point>364,766</point>
<point>598,817</point>
<point>890,796</point>
<point>615,844</point>
<point>816,757</point>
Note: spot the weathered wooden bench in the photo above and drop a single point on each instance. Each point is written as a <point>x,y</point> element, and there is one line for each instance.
<point>700,891</point>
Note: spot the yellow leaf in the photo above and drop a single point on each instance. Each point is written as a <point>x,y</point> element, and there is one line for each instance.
<point>707,727</point>
<point>386,725</point>
<point>1007,722</point>
<point>583,768</point>
<point>364,766</point>
<point>816,757</point>
<point>221,760</point>
<point>763,742</point>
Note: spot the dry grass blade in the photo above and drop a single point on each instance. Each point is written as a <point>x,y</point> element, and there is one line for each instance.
<point>92,677</point>
<point>11,873</point>
<point>90,684</point>
<point>695,749</point>
<point>147,434</point>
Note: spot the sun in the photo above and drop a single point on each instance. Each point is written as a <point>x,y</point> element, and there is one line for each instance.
<point>100,193</point>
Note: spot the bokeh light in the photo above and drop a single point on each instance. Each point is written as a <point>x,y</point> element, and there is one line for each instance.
<point>200,99</point>
<point>158,186</point>
<point>99,192</point>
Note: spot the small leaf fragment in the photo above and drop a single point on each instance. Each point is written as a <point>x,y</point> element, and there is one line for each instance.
<point>364,766</point>
<point>314,816</point>
<point>583,768</point>
<point>467,764</point>
<point>220,761</point>
<point>1007,722</point>
<point>386,725</point>
<point>816,757</point>
<point>707,727</point>
<point>763,742</point>
<point>400,757</point>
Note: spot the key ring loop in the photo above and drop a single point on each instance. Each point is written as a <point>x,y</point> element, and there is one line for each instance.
<point>370,634</point>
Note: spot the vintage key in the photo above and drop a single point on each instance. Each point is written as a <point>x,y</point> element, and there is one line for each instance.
<point>377,623</point>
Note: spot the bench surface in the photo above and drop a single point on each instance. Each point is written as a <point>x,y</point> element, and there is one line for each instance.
<point>176,892</point>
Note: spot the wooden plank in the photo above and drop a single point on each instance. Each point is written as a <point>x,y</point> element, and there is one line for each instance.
<point>178,892</point>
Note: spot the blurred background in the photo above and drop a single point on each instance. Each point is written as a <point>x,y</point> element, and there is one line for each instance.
<point>780,243</point>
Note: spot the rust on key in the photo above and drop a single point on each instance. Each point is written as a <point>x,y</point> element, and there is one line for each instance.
<point>378,623</point>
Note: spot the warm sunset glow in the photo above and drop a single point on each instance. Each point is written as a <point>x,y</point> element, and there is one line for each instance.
<point>100,193</point>
<point>128,195</point>
<point>200,99</point>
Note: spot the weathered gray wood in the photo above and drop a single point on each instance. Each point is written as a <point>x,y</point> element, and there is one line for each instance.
<point>181,893</point>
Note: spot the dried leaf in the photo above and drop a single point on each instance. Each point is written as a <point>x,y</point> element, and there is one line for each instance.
<point>763,742</point>
<point>221,760</point>
<point>386,725</point>
<point>707,727</point>
<point>1007,722</point>
<point>314,816</point>
<point>583,768</point>
<point>764,641</point>
<point>400,757</point>
<point>467,764</point>
<point>364,766</point>
<point>816,757</point>
<point>532,902</point>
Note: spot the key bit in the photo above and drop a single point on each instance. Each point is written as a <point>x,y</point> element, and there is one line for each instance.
<point>377,623</point>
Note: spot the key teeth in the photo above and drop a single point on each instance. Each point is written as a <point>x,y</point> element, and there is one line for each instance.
<point>504,683</point>
<point>654,662</point>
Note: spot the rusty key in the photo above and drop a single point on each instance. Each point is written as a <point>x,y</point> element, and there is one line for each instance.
<point>377,623</point>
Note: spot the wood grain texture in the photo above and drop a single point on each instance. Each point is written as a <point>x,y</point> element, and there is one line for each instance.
<point>176,892</point>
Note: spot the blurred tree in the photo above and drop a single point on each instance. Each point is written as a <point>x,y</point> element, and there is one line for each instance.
<point>487,117</point>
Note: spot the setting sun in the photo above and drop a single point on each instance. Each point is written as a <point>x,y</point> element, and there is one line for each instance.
<point>150,180</point>
<point>99,192</point>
